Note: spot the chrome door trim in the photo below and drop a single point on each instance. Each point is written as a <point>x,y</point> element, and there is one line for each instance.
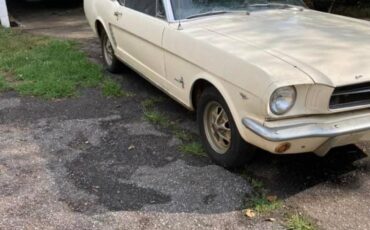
<point>169,12</point>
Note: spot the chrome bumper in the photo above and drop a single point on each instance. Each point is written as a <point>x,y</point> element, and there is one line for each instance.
<point>299,131</point>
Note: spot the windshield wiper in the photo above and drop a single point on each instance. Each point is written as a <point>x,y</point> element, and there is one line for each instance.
<point>206,14</point>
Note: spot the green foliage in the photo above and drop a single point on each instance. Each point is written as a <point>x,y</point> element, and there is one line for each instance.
<point>183,135</point>
<point>194,148</point>
<point>45,67</point>
<point>150,103</point>
<point>3,84</point>
<point>113,89</point>
<point>157,118</point>
<point>151,114</point>
<point>262,205</point>
<point>257,185</point>
<point>298,222</point>
<point>259,200</point>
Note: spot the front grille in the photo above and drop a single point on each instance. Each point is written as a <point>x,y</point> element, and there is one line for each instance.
<point>349,96</point>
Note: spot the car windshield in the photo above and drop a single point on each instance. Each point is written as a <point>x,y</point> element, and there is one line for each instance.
<point>184,9</point>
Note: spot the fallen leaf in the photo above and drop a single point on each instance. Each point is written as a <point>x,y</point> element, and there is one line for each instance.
<point>249,213</point>
<point>271,198</point>
<point>271,219</point>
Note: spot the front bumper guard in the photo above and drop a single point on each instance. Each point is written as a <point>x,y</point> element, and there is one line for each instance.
<point>310,130</point>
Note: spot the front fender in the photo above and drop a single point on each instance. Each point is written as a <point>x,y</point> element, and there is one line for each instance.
<point>240,102</point>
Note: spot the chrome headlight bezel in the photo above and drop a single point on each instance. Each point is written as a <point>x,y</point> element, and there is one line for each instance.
<point>282,100</point>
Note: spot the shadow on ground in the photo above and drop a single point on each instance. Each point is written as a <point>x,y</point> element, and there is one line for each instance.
<point>288,175</point>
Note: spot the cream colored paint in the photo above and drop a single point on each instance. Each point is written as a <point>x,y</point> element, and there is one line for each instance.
<point>4,18</point>
<point>335,46</point>
<point>140,43</point>
<point>250,55</point>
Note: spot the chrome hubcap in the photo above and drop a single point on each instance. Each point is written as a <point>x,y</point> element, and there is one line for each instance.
<point>217,127</point>
<point>108,52</point>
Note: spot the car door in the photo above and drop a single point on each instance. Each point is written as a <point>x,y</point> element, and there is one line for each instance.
<point>137,32</point>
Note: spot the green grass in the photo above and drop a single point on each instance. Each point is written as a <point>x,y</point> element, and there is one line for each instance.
<point>189,143</point>
<point>262,205</point>
<point>194,148</point>
<point>259,200</point>
<point>157,118</point>
<point>257,185</point>
<point>298,222</point>
<point>13,41</point>
<point>152,115</point>
<point>150,103</point>
<point>113,89</point>
<point>45,67</point>
<point>3,84</point>
<point>183,135</point>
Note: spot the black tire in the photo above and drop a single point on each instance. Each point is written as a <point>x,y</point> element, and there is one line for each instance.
<point>111,63</point>
<point>238,152</point>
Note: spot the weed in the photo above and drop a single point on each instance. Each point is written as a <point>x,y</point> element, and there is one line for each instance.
<point>113,89</point>
<point>150,103</point>
<point>183,135</point>
<point>298,222</point>
<point>157,118</point>
<point>3,84</point>
<point>262,205</point>
<point>257,185</point>
<point>194,148</point>
<point>258,199</point>
<point>152,115</point>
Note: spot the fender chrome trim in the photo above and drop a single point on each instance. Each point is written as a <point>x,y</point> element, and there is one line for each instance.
<point>299,131</point>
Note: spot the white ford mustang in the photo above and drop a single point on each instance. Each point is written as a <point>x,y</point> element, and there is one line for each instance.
<point>265,73</point>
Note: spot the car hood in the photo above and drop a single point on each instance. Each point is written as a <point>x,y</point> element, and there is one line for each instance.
<point>332,50</point>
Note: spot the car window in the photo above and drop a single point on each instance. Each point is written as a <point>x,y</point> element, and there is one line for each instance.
<point>161,12</point>
<point>184,9</point>
<point>153,8</point>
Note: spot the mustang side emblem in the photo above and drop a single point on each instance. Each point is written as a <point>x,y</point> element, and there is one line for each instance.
<point>181,81</point>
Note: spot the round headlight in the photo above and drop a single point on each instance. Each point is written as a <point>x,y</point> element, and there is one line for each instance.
<point>283,99</point>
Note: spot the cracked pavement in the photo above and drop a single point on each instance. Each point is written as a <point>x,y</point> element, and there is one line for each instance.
<point>69,172</point>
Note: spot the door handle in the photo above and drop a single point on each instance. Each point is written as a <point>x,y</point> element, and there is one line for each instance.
<point>117,14</point>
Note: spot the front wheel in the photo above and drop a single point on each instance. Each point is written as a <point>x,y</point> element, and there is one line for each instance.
<point>219,134</point>
<point>111,63</point>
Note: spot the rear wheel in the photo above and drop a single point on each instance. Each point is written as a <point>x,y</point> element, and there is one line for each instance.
<point>219,133</point>
<point>111,63</point>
